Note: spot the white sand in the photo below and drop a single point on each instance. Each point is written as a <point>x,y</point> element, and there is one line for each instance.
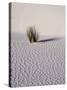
<point>36,64</point>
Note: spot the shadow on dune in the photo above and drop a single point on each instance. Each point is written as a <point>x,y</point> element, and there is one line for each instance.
<point>50,39</point>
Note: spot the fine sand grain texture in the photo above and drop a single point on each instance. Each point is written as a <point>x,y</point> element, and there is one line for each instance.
<point>35,64</point>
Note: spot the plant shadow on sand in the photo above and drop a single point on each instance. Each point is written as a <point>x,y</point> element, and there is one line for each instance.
<point>50,39</point>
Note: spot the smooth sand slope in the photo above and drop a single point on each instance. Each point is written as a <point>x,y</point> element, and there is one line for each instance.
<point>41,63</point>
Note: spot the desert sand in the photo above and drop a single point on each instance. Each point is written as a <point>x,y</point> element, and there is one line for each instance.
<point>35,64</point>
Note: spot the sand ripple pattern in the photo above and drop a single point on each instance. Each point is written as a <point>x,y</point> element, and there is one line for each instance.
<point>38,63</point>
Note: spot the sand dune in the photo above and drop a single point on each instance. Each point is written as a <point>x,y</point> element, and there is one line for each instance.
<point>37,63</point>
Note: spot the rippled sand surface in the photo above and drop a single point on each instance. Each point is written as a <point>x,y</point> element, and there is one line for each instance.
<point>35,64</point>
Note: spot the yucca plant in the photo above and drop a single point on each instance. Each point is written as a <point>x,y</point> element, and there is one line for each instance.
<point>32,34</point>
